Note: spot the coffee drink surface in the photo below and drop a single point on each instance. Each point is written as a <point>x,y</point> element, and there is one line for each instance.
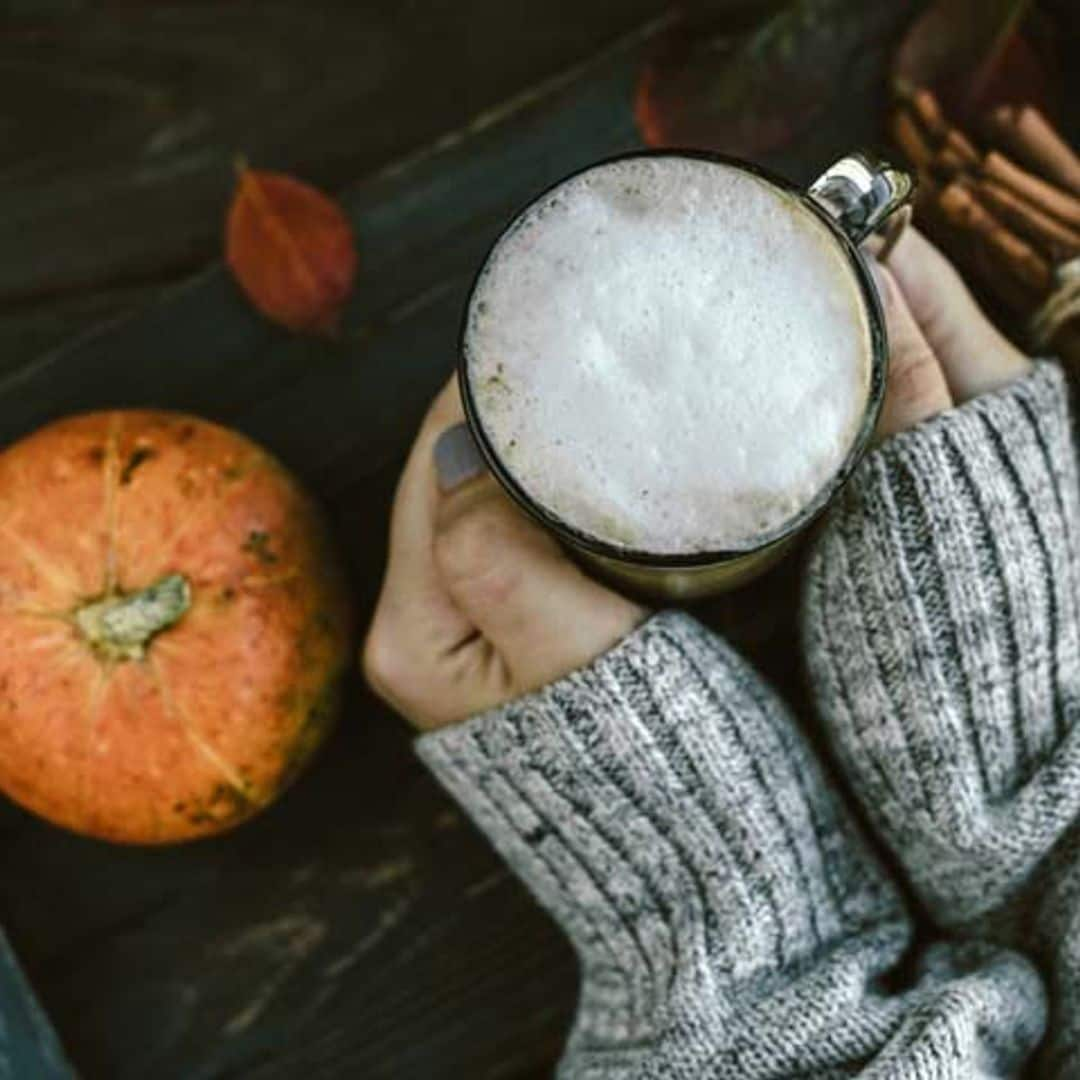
<point>670,355</point>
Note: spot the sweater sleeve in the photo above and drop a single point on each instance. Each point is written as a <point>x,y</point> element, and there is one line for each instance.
<point>943,641</point>
<point>729,920</point>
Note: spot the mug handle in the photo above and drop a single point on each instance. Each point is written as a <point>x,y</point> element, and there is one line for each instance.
<point>869,198</point>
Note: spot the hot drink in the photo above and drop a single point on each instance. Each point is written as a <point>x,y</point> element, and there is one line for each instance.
<point>670,355</point>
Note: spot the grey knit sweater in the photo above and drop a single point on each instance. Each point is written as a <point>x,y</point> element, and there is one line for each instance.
<point>943,634</point>
<point>730,920</point>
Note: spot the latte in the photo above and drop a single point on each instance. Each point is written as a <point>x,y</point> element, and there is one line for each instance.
<point>669,354</point>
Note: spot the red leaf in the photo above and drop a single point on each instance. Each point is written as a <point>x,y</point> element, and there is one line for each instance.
<point>291,249</point>
<point>975,54</point>
<point>752,93</point>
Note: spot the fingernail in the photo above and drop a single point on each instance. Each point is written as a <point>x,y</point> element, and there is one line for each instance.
<point>457,459</point>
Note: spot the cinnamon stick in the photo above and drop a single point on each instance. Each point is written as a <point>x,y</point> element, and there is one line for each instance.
<point>1007,254</point>
<point>1030,136</point>
<point>1056,241</point>
<point>910,139</point>
<point>961,208</point>
<point>921,125</point>
<point>930,217</point>
<point>962,147</point>
<point>1011,254</point>
<point>925,106</point>
<point>949,228</point>
<point>987,265</point>
<point>1053,200</point>
<point>949,162</point>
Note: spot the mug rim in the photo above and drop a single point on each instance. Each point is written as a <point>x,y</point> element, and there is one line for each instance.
<point>695,559</point>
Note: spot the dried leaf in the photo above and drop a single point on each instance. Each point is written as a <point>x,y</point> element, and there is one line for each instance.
<point>747,94</point>
<point>976,54</point>
<point>291,249</point>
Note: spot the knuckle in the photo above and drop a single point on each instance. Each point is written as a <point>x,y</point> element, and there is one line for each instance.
<point>466,547</point>
<point>915,375</point>
<point>381,659</point>
<point>474,552</point>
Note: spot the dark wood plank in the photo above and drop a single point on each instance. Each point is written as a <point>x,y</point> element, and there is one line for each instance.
<point>361,927</point>
<point>117,159</point>
<point>28,330</point>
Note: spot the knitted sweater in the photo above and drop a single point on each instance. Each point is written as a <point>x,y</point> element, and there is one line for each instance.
<point>730,920</point>
<point>942,630</point>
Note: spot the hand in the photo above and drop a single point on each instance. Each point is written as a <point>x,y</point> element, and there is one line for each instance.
<point>479,605</point>
<point>944,351</point>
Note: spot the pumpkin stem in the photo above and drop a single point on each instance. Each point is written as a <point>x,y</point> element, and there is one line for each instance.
<point>121,627</point>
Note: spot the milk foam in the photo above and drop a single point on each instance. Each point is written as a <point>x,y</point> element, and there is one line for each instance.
<point>669,354</point>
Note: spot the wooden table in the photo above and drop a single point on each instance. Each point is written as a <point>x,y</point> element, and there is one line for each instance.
<point>360,928</point>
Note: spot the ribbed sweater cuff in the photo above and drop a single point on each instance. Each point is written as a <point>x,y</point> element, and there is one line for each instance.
<point>661,805</point>
<point>942,636</point>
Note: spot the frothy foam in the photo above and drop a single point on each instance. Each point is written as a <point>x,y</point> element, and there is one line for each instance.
<point>669,354</point>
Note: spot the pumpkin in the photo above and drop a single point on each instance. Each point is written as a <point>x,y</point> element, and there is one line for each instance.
<point>173,625</point>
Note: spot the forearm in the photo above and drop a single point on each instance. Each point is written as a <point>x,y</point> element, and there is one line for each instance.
<point>729,920</point>
<point>943,641</point>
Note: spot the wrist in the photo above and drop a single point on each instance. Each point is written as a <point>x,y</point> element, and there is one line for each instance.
<point>647,800</point>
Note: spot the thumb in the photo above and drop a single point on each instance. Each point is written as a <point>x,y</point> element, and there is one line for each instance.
<point>916,388</point>
<point>512,581</point>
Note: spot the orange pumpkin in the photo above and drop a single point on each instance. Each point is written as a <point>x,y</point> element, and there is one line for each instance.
<point>173,625</point>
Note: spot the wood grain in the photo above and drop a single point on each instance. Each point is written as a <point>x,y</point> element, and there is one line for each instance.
<point>31,329</point>
<point>361,928</point>
<point>117,159</point>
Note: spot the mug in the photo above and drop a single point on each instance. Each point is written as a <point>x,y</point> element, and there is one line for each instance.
<point>865,202</point>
